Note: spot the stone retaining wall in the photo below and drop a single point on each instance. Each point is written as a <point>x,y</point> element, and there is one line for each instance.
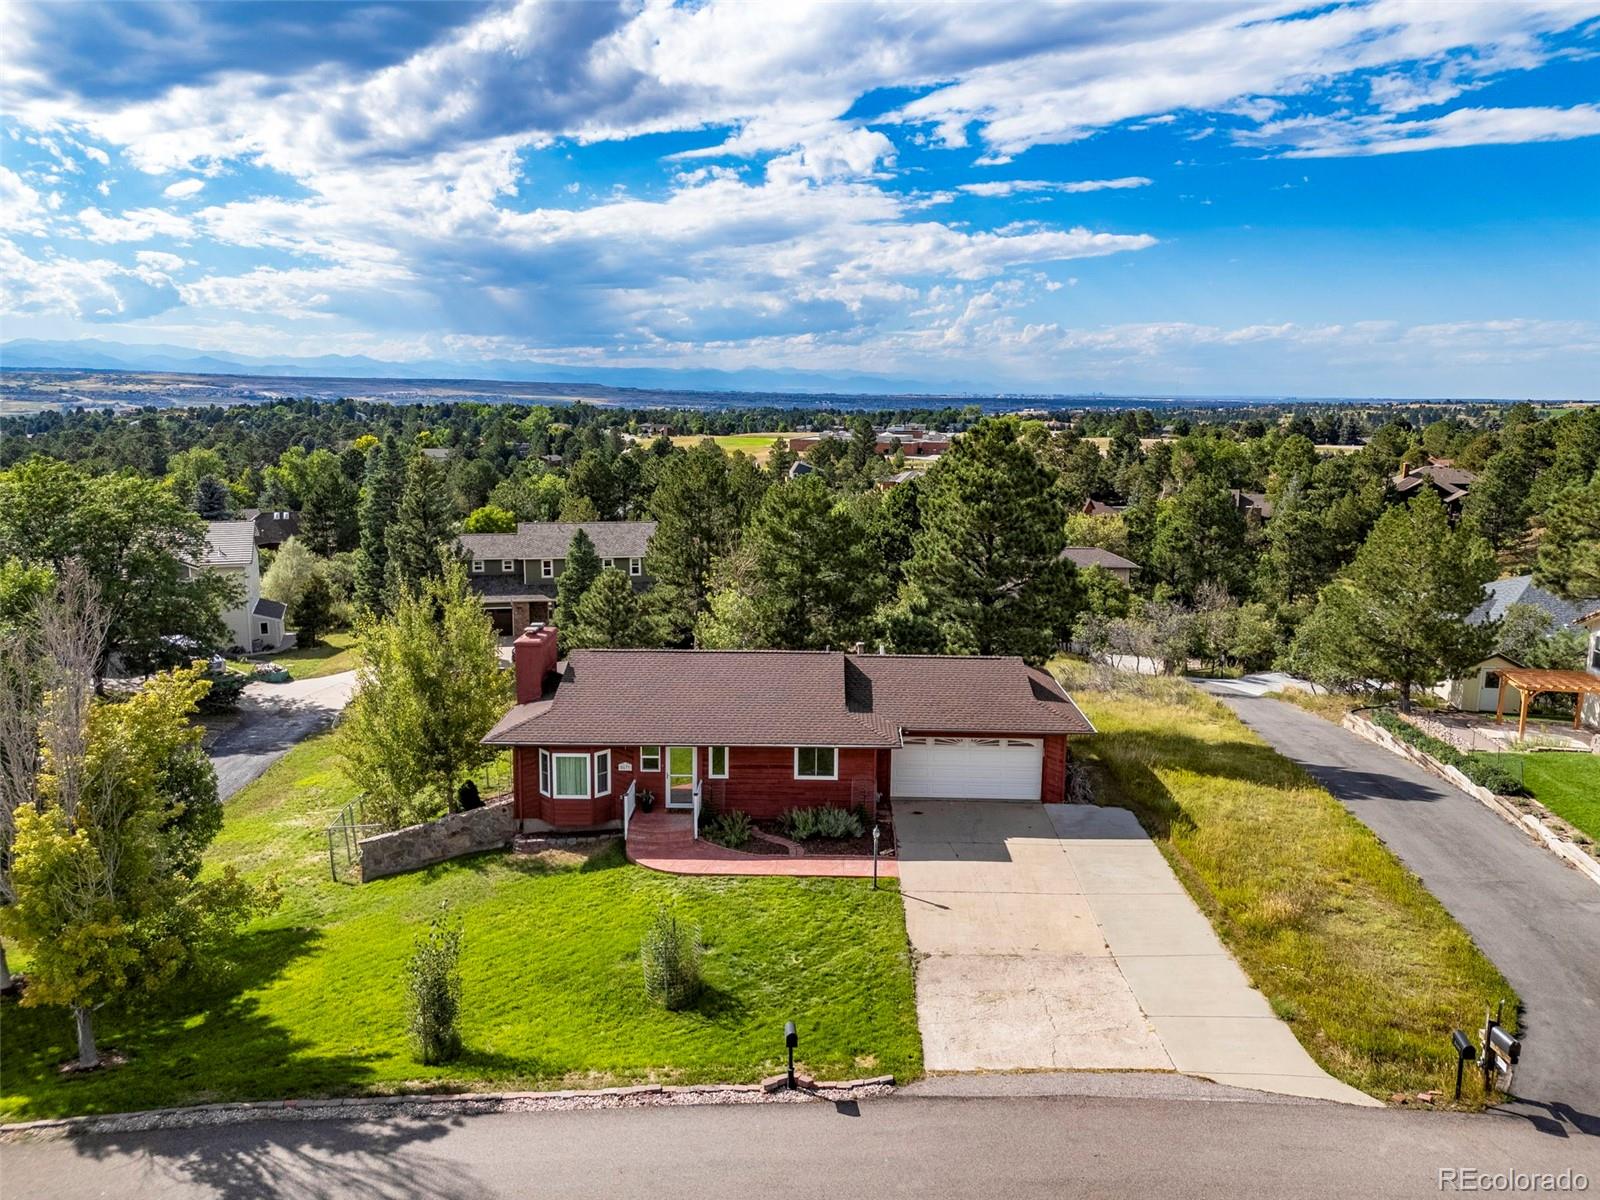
<point>486,828</point>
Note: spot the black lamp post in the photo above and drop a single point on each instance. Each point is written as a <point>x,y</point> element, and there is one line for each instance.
<point>875,857</point>
<point>791,1039</point>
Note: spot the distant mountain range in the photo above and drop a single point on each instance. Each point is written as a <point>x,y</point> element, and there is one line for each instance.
<point>95,355</point>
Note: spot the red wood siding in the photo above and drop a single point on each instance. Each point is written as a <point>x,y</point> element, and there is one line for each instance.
<point>760,781</point>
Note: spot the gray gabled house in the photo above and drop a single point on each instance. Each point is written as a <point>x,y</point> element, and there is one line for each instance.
<point>516,574</point>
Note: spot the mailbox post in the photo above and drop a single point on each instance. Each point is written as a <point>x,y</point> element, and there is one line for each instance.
<point>875,858</point>
<point>1464,1054</point>
<point>791,1039</point>
<point>1501,1051</point>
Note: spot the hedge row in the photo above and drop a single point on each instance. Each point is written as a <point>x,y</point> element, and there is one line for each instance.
<point>1484,774</point>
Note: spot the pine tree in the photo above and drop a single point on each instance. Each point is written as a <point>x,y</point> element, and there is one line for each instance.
<point>988,558</point>
<point>697,516</point>
<point>581,570</point>
<point>1398,612</point>
<point>611,614</point>
<point>312,613</point>
<point>1569,555</point>
<point>422,526</point>
<point>1200,538</point>
<point>811,569</point>
<point>380,499</point>
<point>328,521</point>
<point>211,498</point>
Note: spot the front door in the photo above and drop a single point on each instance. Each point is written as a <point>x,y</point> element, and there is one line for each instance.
<point>680,776</point>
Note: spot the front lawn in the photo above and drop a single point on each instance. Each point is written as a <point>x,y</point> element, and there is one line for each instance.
<point>334,653</point>
<point>1565,782</point>
<point>1367,967</point>
<point>552,986</point>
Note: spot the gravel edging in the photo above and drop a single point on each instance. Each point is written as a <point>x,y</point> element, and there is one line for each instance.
<point>1529,823</point>
<point>422,1106</point>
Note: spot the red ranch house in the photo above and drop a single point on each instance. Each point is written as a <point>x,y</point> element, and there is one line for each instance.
<point>769,730</point>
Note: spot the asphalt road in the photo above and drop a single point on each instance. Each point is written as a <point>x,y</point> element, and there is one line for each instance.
<point>1537,919</point>
<point>1015,1148</point>
<point>273,718</point>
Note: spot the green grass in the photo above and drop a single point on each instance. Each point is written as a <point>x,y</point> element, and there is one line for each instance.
<point>336,652</point>
<point>553,994</point>
<point>1348,946</point>
<point>756,445</point>
<point>1565,782</point>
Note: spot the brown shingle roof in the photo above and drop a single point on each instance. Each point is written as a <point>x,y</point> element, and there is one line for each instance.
<point>550,539</point>
<point>1094,556</point>
<point>784,698</point>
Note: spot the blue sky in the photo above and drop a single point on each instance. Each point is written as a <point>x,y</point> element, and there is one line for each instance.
<point>1391,198</point>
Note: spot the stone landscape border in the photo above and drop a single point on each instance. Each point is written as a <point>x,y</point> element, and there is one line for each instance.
<point>366,1108</point>
<point>1530,823</point>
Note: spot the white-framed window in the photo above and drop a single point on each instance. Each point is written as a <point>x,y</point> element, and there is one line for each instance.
<point>635,567</point>
<point>477,566</point>
<point>719,761</point>
<point>816,762</point>
<point>649,758</point>
<point>547,568</point>
<point>602,773</point>
<point>544,772</point>
<point>606,564</point>
<point>508,565</point>
<point>265,628</point>
<point>571,776</point>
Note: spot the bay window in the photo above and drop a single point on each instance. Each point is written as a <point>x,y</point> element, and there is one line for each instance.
<point>571,776</point>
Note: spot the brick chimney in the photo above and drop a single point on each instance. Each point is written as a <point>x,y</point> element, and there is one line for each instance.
<point>533,656</point>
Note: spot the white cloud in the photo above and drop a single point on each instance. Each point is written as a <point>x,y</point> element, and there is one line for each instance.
<point>135,225</point>
<point>1008,187</point>
<point>21,210</point>
<point>94,290</point>
<point>1320,138</point>
<point>183,189</point>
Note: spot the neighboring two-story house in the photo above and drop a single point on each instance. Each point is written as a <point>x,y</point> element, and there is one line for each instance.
<point>516,574</point>
<point>254,624</point>
<point>1591,704</point>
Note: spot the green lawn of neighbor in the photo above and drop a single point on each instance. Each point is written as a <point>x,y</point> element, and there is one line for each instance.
<point>1369,970</point>
<point>1565,782</point>
<point>334,653</point>
<point>553,993</point>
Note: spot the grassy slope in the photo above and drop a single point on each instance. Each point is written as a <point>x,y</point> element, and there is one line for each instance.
<point>552,986</point>
<point>1347,944</point>
<point>336,652</point>
<point>1568,784</point>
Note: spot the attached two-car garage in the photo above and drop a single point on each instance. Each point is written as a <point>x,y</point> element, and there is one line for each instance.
<point>993,768</point>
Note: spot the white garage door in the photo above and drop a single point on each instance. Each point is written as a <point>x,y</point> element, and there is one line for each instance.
<point>968,768</point>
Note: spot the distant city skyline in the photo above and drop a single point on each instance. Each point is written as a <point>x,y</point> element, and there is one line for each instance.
<point>1228,198</point>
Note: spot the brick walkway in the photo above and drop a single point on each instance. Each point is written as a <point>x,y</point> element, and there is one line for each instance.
<point>663,841</point>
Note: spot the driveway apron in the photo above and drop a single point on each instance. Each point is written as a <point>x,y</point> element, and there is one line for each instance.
<point>1056,936</point>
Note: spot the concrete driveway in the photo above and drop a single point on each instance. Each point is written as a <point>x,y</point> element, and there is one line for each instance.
<point>1056,936</point>
<point>273,719</point>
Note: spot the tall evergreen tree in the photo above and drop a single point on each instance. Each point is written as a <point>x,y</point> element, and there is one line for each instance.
<point>810,574</point>
<point>380,501</point>
<point>1398,612</point>
<point>328,519</point>
<point>1569,555</point>
<point>1200,538</point>
<point>211,499</point>
<point>581,570</point>
<point>422,527</point>
<point>988,558</point>
<point>697,516</point>
<point>610,614</point>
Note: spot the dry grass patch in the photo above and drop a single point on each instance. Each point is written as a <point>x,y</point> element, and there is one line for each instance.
<point>1367,967</point>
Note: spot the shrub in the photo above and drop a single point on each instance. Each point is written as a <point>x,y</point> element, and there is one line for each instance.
<point>730,829</point>
<point>223,695</point>
<point>825,822</point>
<point>467,797</point>
<point>670,954</point>
<point>1484,774</point>
<point>433,989</point>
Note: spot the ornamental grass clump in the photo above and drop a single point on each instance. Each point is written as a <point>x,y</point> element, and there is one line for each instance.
<point>670,954</point>
<point>827,822</point>
<point>433,990</point>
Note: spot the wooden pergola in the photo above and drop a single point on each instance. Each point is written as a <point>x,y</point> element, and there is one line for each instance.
<point>1532,682</point>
